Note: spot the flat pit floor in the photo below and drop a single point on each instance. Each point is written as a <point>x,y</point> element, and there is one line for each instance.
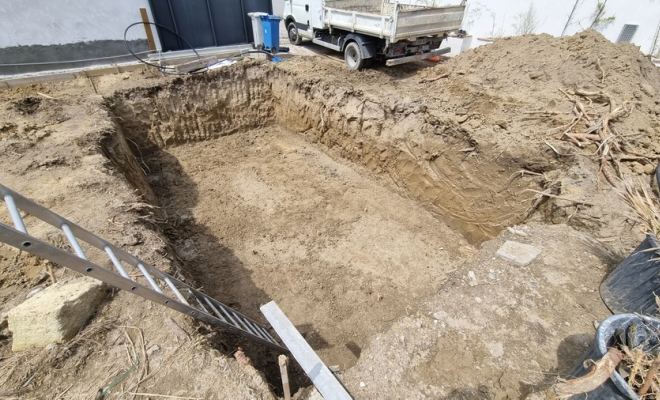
<point>265,215</point>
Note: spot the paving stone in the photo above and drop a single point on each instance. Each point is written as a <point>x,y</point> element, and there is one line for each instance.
<point>520,253</point>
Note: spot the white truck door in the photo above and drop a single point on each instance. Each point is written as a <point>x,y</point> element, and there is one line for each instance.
<point>316,13</point>
<point>300,12</point>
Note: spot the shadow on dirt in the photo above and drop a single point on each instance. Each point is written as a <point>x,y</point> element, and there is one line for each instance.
<point>570,350</point>
<point>207,264</point>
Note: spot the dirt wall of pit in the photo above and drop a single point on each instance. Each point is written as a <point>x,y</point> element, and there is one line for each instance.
<point>429,157</point>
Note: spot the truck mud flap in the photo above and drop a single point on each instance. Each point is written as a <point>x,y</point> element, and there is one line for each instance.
<point>403,60</point>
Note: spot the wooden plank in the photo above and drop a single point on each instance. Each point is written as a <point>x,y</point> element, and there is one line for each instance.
<point>195,64</point>
<point>147,30</point>
<point>323,379</point>
<point>113,70</point>
<point>40,78</point>
<point>284,363</point>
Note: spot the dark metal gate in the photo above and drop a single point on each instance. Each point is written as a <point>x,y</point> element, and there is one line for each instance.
<point>206,23</point>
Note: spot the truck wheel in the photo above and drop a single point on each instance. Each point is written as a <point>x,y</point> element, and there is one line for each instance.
<point>353,57</point>
<point>294,37</point>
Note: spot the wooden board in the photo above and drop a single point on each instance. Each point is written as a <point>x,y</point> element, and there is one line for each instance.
<point>147,29</point>
<point>321,376</point>
<point>196,64</point>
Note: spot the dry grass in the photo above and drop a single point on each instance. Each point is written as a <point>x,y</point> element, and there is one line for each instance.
<point>640,365</point>
<point>643,205</point>
<point>20,371</point>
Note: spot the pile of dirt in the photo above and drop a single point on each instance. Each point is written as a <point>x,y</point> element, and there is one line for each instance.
<point>526,93</point>
<point>534,67</point>
<point>530,72</point>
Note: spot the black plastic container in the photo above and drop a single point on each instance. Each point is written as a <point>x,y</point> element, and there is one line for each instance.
<point>615,387</point>
<point>632,286</point>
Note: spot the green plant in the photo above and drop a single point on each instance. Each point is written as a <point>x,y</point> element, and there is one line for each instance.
<point>600,21</point>
<point>526,22</point>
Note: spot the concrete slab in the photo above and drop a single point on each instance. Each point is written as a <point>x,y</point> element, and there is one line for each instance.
<point>54,314</point>
<point>521,254</point>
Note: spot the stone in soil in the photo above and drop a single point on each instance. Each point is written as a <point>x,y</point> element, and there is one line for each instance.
<point>54,314</point>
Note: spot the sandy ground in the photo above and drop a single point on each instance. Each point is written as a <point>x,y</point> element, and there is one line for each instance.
<point>368,204</point>
<point>343,254</point>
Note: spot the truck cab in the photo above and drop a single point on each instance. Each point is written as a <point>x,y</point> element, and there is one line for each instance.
<point>299,21</point>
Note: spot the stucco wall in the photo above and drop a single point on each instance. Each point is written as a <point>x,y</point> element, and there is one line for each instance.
<point>48,22</point>
<point>38,32</point>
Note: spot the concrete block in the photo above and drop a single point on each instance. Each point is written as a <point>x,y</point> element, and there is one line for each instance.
<point>520,253</point>
<point>54,314</point>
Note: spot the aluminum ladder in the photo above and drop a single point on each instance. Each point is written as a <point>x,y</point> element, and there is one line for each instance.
<point>181,297</point>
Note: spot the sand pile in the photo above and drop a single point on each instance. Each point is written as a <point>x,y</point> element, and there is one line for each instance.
<point>536,66</point>
<point>527,88</point>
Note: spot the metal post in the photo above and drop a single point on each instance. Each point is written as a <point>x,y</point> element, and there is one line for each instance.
<point>176,29</point>
<point>245,32</point>
<point>208,6</point>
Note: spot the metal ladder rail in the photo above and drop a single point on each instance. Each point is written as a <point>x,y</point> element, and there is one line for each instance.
<point>222,316</point>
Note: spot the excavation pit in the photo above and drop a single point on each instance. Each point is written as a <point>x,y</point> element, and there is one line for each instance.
<point>336,206</point>
<point>370,206</point>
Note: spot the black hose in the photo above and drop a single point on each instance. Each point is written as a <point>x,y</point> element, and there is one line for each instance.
<point>160,67</point>
<point>163,68</point>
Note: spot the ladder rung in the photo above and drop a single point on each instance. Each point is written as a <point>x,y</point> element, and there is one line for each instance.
<point>74,242</point>
<point>116,262</point>
<point>199,302</point>
<point>256,329</point>
<point>15,214</point>
<point>215,310</point>
<point>176,291</point>
<point>265,331</point>
<point>246,327</point>
<point>149,278</point>
<point>230,317</point>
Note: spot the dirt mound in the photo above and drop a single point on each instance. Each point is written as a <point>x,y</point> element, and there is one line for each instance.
<point>534,67</point>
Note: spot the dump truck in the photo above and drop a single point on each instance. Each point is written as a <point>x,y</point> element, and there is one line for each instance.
<point>365,30</point>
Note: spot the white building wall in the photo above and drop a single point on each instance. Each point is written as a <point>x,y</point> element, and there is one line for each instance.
<point>56,22</point>
<point>498,18</point>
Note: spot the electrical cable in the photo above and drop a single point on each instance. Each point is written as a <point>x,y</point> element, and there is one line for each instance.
<point>163,68</point>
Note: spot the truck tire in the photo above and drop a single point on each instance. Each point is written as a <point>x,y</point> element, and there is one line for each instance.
<point>294,36</point>
<point>353,57</point>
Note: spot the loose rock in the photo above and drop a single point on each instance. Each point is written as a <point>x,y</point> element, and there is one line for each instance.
<point>54,314</point>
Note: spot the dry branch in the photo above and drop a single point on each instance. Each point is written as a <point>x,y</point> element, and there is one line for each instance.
<point>650,375</point>
<point>600,373</point>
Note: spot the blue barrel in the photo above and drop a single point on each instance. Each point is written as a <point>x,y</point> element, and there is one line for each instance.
<point>271,25</point>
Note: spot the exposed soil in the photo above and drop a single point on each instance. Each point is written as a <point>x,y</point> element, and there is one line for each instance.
<point>368,204</point>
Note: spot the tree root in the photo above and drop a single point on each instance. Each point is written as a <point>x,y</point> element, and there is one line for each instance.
<point>598,130</point>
